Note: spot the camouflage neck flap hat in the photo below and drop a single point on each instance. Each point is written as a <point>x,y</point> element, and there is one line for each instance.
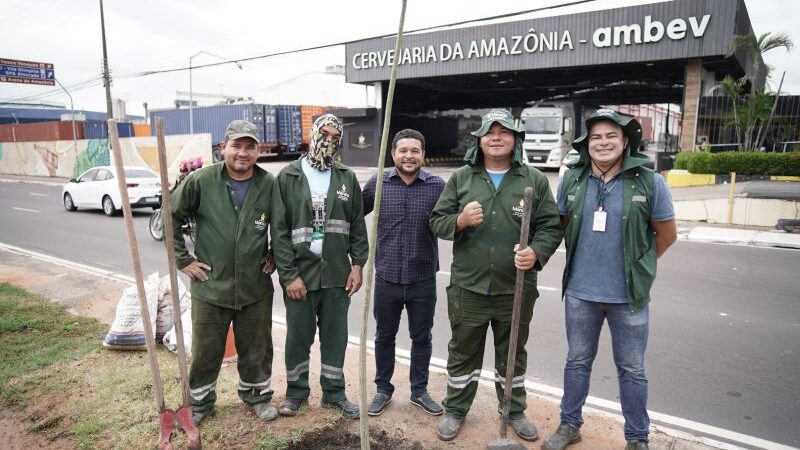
<point>505,119</point>
<point>320,150</point>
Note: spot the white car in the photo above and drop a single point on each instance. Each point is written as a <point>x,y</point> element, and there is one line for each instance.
<point>97,188</point>
<point>572,157</point>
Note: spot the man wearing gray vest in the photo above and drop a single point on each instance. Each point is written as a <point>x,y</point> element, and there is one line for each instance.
<point>618,220</point>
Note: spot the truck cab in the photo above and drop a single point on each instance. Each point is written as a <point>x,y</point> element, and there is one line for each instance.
<point>549,132</point>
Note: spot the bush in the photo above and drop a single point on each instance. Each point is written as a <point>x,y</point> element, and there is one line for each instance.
<point>743,163</point>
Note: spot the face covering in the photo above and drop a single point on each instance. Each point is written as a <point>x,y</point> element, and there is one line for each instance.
<point>320,150</point>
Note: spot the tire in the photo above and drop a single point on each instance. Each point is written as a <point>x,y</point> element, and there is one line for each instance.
<point>69,205</point>
<point>156,226</point>
<point>108,207</point>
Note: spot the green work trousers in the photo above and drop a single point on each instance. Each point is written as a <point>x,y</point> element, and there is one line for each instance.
<point>328,308</point>
<point>252,330</point>
<point>470,315</point>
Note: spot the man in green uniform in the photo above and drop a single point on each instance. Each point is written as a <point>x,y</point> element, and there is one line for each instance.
<point>480,210</point>
<point>320,243</point>
<point>230,270</point>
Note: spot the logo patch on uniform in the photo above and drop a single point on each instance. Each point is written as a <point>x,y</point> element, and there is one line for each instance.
<point>518,210</point>
<point>343,194</point>
<point>261,222</point>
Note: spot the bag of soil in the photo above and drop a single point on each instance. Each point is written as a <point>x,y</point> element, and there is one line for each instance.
<point>127,331</point>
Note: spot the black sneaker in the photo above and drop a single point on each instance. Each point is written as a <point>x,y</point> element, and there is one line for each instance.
<point>290,407</point>
<point>378,404</point>
<point>427,404</point>
<point>348,409</point>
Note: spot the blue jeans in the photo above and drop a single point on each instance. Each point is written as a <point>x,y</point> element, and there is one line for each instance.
<point>584,320</point>
<point>419,299</point>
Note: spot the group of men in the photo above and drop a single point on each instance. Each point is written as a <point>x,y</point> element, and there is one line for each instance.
<point>615,215</point>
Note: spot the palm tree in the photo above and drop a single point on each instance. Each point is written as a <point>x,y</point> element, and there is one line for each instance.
<point>755,47</point>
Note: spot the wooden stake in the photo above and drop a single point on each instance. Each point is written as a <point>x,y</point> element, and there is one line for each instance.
<point>149,336</point>
<point>376,211</point>
<point>169,239</point>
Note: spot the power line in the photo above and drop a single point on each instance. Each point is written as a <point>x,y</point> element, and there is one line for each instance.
<point>318,47</point>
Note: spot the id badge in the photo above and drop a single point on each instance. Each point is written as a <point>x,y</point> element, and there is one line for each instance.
<point>599,221</point>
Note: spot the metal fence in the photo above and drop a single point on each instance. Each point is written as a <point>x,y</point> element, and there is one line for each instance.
<point>716,130</point>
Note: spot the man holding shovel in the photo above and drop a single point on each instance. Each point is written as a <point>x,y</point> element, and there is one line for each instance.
<point>230,271</point>
<point>481,210</point>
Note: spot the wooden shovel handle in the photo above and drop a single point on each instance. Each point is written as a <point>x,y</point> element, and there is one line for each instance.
<point>515,315</point>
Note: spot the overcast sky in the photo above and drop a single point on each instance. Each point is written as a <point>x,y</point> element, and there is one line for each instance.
<point>151,35</point>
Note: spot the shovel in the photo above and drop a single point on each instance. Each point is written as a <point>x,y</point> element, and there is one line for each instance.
<point>167,417</point>
<point>503,442</point>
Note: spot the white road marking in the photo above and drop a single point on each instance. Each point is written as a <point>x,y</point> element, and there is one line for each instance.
<point>38,194</point>
<point>26,209</point>
<point>438,365</point>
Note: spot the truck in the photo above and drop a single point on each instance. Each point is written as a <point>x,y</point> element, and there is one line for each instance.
<point>549,132</point>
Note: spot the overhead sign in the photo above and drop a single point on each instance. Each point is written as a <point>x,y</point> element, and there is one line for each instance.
<point>676,30</point>
<point>27,72</point>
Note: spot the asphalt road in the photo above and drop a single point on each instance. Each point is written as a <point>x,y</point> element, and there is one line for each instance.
<point>724,344</point>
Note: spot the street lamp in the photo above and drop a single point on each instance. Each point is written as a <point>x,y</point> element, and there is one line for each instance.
<point>191,100</point>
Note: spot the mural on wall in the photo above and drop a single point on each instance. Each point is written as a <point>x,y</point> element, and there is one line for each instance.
<point>63,159</point>
<point>96,154</point>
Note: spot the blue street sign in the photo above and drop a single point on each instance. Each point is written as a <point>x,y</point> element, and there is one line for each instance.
<point>26,72</point>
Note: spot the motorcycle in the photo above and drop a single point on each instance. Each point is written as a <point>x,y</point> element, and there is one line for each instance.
<point>156,225</point>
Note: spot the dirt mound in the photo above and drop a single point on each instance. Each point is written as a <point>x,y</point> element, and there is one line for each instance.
<point>338,437</point>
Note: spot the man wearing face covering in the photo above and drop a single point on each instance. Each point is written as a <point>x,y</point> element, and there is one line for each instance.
<point>319,239</point>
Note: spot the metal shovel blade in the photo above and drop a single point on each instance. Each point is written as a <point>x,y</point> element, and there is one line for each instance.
<point>505,444</point>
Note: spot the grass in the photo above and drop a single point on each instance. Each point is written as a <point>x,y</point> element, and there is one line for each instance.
<point>37,334</point>
<point>56,372</point>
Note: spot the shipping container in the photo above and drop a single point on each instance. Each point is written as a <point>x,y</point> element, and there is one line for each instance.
<point>32,115</point>
<point>141,129</point>
<point>290,128</point>
<point>40,131</point>
<point>98,129</point>
<point>270,125</point>
<point>209,119</point>
<point>308,115</point>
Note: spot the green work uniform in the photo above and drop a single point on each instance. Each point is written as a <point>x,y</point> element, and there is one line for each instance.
<point>233,242</point>
<point>325,276</point>
<point>483,272</point>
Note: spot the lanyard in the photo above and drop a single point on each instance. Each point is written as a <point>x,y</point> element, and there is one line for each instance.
<point>603,190</point>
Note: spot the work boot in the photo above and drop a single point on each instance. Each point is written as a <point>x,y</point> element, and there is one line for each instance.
<point>447,428</point>
<point>264,410</point>
<point>426,403</point>
<point>565,435</point>
<point>640,445</point>
<point>378,404</point>
<point>199,416</point>
<point>524,428</point>
<point>348,409</point>
<point>290,407</point>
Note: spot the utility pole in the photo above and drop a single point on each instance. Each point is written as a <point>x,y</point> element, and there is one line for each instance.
<point>106,75</point>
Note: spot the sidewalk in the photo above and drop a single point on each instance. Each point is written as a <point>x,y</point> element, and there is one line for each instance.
<point>95,294</point>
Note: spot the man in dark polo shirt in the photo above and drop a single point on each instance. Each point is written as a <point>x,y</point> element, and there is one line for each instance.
<point>406,262</point>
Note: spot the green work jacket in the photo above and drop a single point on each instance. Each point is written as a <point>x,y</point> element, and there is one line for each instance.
<point>483,256</point>
<point>345,241</point>
<point>638,236</point>
<point>232,241</point>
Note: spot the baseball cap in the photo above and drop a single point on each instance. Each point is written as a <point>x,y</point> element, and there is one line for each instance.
<point>241,128</point>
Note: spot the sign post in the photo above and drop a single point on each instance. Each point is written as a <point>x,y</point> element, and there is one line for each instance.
<point>27,72</point>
